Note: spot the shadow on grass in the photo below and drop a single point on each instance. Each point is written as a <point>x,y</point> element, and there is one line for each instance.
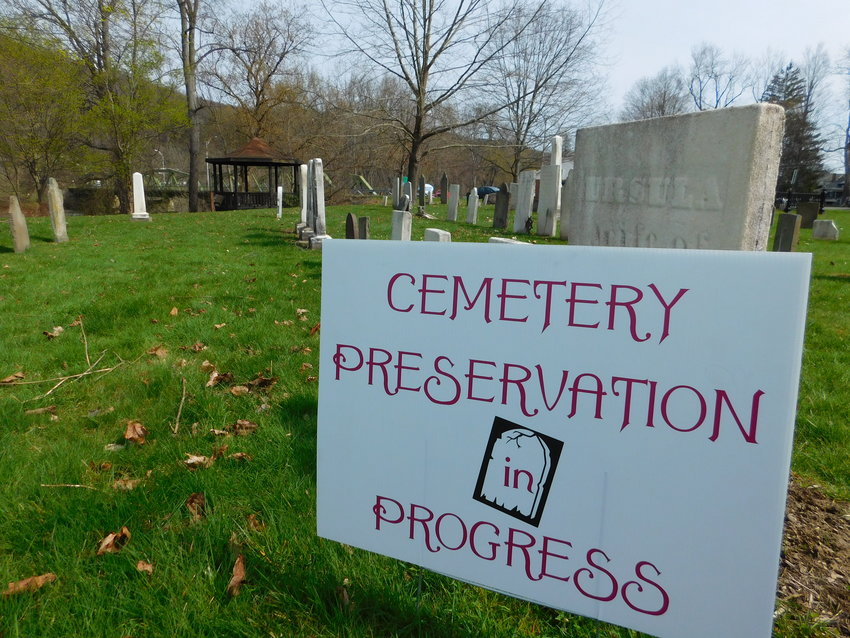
<point>845,277</point>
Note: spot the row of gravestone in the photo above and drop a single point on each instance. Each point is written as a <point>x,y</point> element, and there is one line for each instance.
<point>18,223</point>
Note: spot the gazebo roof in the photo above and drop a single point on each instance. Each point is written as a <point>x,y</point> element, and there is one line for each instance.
<point>256,152</point>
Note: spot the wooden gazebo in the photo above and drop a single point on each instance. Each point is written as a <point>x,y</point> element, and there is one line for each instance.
<point>249,177</point>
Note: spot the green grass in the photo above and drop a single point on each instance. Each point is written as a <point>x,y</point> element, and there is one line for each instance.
<point>242,270</point>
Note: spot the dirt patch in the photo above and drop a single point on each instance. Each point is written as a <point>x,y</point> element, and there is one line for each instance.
<point>815,565</point>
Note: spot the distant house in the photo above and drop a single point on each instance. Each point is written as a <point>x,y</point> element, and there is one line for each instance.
<point>833,185</point>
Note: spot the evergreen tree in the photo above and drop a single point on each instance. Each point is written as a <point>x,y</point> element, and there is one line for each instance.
<point>802,146</point>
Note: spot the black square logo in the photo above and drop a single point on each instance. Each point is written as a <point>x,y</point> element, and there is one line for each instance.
<point>517,470</point>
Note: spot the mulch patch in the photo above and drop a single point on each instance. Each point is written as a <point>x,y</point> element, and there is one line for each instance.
<point>815,563</point>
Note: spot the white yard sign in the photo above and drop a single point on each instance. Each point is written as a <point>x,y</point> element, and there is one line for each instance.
<point>606,431</point>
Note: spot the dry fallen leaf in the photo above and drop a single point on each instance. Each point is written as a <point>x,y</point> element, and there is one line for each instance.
<point>113,543</point>
<point>144,567</point>
<point>76,322</point>
<point>135,432</point>
<point>301,349</point>
<point>262,382</point>
<point>241,456</point>
<point>301,313</point>
<point>174,312</point>
<point>50,409</point>
<point>57,330</point>
<point>206,366</point>
<point>126,484</point>
<point>243,427</point>
<point>197,505</point>
<point>195,347</point>
<point>113,447</point>
<point>306,366</point>
<point>17,376</point>
<point>217,377</point>
<point>32,583</point>
<point>196,461</point>
<point>254,523</point>
<point>285,322</point>
<point>238,577</point>
<point>159,352</point>
<point>219,451</point>
<point>219,326</point>
<point>315,328</point>
<point>311,379</point>
<point>215,432</point>
<point>239,390</point>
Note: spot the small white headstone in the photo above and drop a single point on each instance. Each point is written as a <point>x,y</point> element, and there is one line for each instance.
<point>506,240</point>
<point>402,224</point>
<point>824,229</point>
<point>140,209</point>
<point>279,202</point>
<point>472,207</point>
<point>435,234</point>
<point>557,150</point>
<point>56,206</point>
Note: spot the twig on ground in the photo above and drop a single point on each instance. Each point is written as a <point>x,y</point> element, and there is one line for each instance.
<point>85,341</point>
<point>180,409</point>
<point>85,487</point>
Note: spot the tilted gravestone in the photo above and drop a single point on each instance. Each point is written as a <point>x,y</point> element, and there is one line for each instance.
<point>56,206</point>
<point>500,214</point>
<point>701,180</point>
<point>787,233</point>
<point>444,187</point>
<point>824,229</point>
<point>18,225</point>
<point>140,206</point>
<point>352,230</point>
<point>402,224</point>
<point>454,198</point>
<point>525,198</point>
<point>363,228</point>
<point>808,211</point>
<point>472,207</point>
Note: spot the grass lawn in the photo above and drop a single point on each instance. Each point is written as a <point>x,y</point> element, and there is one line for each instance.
<point>194,326</point>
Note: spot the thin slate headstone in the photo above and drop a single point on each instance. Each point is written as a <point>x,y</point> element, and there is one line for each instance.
<point>402,225</point>
<point>503,200</point>
<point>363,228</point>
<point>824,229</point>
<point>56,206</point>
<point>565,206</point>
<point>396,193</point>
<point>525,197</point>
<point>472,207</point>
<point>435,234</point>
<point>352,230</point>
<point>700,180</point>
<point>444,187</point>
<point>808,211</point>
<point>311,195</point>
<point>787,232</point>
<point>454,199</point>
<point>18,226</point>
<point>302,191</point>
<point>422,191</point>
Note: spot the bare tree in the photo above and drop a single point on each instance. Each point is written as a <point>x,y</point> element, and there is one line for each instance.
<point>253,57</point>
<point>662,94</point>
<point>715,80</point>
<point>547,73</point>
<point>439,49</point>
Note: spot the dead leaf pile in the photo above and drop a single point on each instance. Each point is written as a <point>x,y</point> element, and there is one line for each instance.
<point>135,432</point>
<point>32,583</point>
<point>114,542</point>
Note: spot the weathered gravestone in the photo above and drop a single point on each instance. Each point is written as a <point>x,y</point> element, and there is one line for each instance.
<point>701,180</point>
<point>512,189</point>
<point>18,225</point>
<point>279,202</point>
<point>565,206</point>
<point>402,224</point>
<point>407,192</point>
<point>824,229</point>
<point>787,233</point>
<point>56,206</point>
<point>549,207</point>
<point>435,234</point>
<point>500,215</point>
<point>472,207</point>
<point>444,187</point>
<point>140,207</point>
<point>352,230</point>
<point>317,202</point>
<point>525,198</point>
<point>422,191</point>
<point>302,192</point>
<point>363,228</point>
<point>808,211</point>
<point>454,198</point>
<point>396,193</point>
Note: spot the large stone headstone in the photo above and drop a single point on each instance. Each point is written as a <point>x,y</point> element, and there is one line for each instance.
<point>525,199</point>
<point>435,234</point>
<point>503,201</point>
<point>472,207</point>
<point>549,207</point>
<point>824,229</point>
<point>18,225</point>
<point>444,187</point>
<point>319,224</point>
<point>352,229</point>
<point>701,180</point>
<point>402,225</point>
<point>396,193</point>
<point>787,232</point>
<point>454,200</point>
<point>565,206</point>
<point>140,207</point>
<point>56,206</point>
<point>808,211</point>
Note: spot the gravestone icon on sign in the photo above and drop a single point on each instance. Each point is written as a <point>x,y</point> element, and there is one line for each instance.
<point>517,470</point>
